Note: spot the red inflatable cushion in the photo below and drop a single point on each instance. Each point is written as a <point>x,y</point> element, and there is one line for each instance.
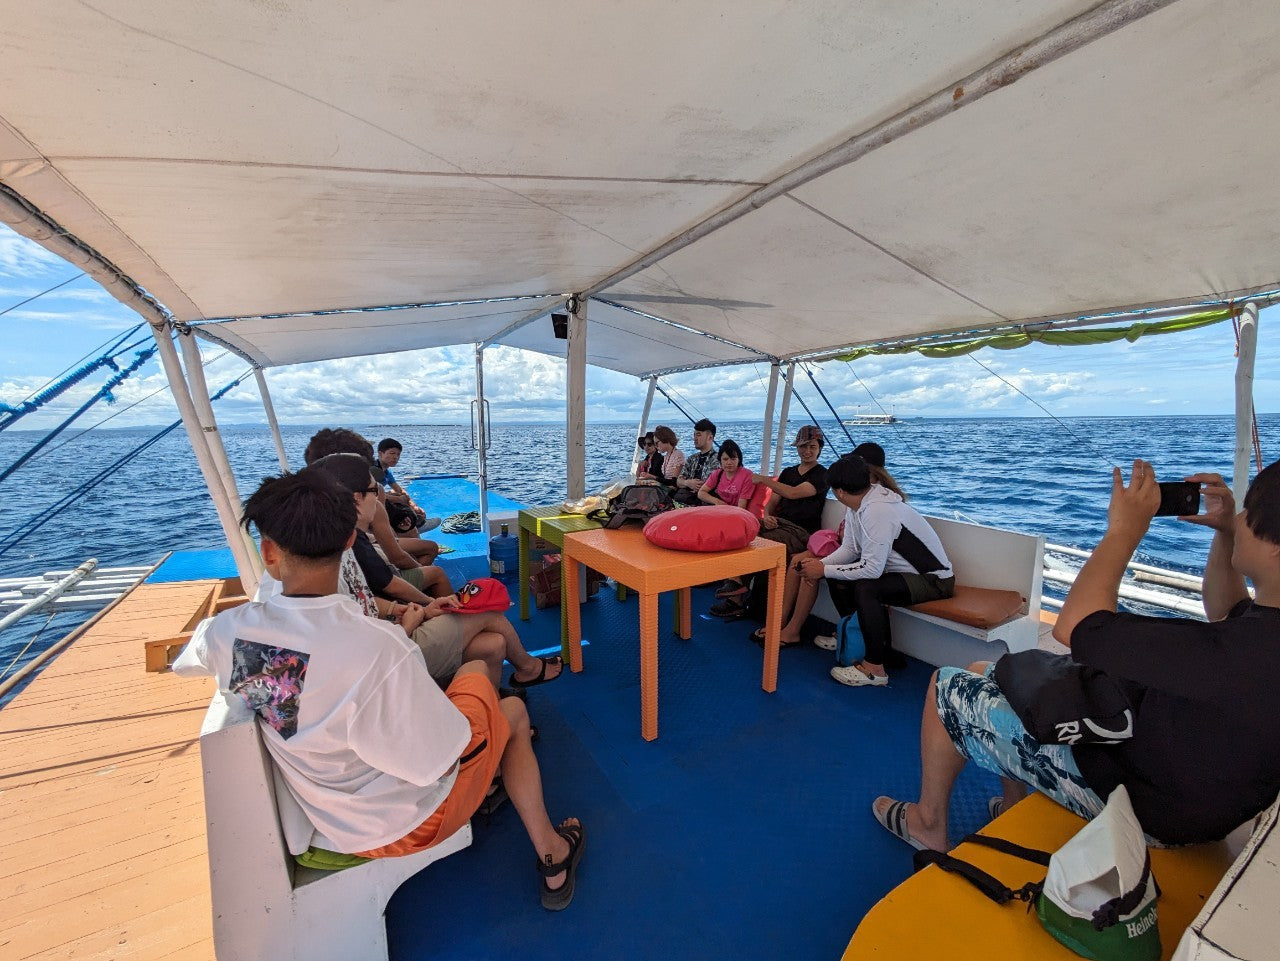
<point>712,528</point>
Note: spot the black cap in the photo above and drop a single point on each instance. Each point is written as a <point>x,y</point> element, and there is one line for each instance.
<point>872,453</point>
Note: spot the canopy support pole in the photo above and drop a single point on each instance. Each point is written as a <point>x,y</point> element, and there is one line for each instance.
<point>576,401</point>
<point>270,408</point>
<point>482,440</point>
<point>228,515</point>
<point>199,388</point>
<point>644,424</point>
<point>767,430</point>
<point>781,444</point>
<point>1247,351</point>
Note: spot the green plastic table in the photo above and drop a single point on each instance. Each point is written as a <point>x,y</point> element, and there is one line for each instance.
<point>551,524</point>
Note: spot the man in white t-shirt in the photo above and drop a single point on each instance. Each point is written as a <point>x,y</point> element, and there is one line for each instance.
<point>381,760</point>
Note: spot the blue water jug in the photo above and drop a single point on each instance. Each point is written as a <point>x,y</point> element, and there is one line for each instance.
<point>504,556</point>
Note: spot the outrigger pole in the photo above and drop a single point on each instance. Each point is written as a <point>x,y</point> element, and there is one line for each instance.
<point>270,408</point>
<point>1246,352</point>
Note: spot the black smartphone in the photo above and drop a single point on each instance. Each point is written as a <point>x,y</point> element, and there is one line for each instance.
<point>1179,499</point>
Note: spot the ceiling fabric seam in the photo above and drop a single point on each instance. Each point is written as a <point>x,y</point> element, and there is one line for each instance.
<point>395,171</point>
<point>1055,43</point>
<point>902,260</point>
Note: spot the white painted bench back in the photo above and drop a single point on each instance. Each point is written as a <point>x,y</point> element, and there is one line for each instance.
<point>981,557</point>
<point>264,905</point>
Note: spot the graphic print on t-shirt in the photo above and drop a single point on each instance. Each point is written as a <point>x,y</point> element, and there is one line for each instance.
<point>270,679</point>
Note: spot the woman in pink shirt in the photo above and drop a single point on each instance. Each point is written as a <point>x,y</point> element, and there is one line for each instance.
<point>730,483</point>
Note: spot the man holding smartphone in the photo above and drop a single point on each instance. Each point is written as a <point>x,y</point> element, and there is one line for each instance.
<point>1204,755</point>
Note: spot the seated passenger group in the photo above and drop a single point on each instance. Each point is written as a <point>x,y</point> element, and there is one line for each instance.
<point>381,705</point>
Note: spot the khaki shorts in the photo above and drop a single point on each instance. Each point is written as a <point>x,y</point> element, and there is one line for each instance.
<point>474,696</point>
<point>440,640</point>
<point>416,576</point>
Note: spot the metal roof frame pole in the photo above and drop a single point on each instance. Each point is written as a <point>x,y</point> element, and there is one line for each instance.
<point>576,401</point>
<point>767,430</point>
<point>644,424</point>
<point>270,408</point>
<point>1244,399</point>
<point>194,364</point>
<point>227,514</point>
<point>781,444</point>
<point>480,420</point>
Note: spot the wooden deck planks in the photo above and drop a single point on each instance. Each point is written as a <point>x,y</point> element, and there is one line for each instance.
<point>101,799</point>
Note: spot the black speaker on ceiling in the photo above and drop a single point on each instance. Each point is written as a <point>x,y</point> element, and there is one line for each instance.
<point>560,324</point>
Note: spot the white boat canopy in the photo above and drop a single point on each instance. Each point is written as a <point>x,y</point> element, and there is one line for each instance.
<point>788,178</point>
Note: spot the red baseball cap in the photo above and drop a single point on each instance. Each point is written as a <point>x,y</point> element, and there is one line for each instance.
<point>483,595</point>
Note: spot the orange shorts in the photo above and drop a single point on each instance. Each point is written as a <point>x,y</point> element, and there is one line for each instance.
<point>474,696</point>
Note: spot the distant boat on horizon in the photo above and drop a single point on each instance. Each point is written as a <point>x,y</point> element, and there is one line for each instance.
<point>870,420</point>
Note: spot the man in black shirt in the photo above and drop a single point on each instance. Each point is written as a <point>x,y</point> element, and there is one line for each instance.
<point>1204,755</point>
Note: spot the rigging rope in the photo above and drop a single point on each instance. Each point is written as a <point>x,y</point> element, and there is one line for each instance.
<point>1102,455</point>
<point>64,384</point>
<point>22,533</point>
<point>848,436</point>
<point>673,403</point>
<point>103,392</point>
<point>41,294</point>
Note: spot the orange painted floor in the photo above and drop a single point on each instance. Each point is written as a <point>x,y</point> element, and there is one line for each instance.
<point>101,807</point>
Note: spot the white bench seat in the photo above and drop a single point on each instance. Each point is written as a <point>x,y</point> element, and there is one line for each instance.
<point>982,557</point>
<point>264,905</point>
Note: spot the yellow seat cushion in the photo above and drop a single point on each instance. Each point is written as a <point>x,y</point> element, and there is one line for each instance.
<point>934,915</point>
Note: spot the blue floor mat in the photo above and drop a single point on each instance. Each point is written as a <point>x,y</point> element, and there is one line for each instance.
<point>441,496</point>
<point>743,832</point>
<point>194,566</point>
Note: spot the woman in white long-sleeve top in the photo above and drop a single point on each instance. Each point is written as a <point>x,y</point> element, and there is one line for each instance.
<point>889,556</point>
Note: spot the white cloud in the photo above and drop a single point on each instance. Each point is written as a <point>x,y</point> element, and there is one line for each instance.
<point>22,258</point>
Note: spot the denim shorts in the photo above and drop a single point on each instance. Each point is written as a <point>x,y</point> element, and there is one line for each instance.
<point>985,730</point>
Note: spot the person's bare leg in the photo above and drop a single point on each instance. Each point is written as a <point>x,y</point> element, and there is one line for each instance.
<point>523,781</point>
<point>806,597</point>
<point>792,584</point>
<point>419,548</point>
<point>940,764</point>
<point>435,582</point>
<point>486,646</point>
<point>526,666</point>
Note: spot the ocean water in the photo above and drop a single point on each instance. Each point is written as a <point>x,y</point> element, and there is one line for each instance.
<point>1037,475</point>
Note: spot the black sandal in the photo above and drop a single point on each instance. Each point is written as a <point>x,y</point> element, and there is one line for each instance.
<point>559,899</point>
<point>542,674</point>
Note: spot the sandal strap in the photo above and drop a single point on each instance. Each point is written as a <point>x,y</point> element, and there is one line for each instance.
<point>571,833</point>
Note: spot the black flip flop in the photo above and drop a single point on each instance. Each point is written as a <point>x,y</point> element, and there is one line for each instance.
<point>558,900</point>
<point>542,674</point>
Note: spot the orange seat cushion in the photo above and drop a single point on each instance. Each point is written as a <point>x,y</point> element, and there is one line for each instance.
<point>975,606</point>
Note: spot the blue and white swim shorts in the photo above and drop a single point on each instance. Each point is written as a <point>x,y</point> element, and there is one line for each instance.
<point>985,730</point>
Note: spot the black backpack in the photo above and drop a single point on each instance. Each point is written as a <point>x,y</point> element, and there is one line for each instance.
<point>637,502</point>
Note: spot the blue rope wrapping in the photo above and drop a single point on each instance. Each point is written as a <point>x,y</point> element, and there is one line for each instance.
<point>103,391</point>
<point>26,530</point>
<point>59,387</point>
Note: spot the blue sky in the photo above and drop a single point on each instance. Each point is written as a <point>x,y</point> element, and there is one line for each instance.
<point>1179,374</point>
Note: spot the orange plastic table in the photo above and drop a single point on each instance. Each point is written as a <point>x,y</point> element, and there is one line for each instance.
<point>629,559</point>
